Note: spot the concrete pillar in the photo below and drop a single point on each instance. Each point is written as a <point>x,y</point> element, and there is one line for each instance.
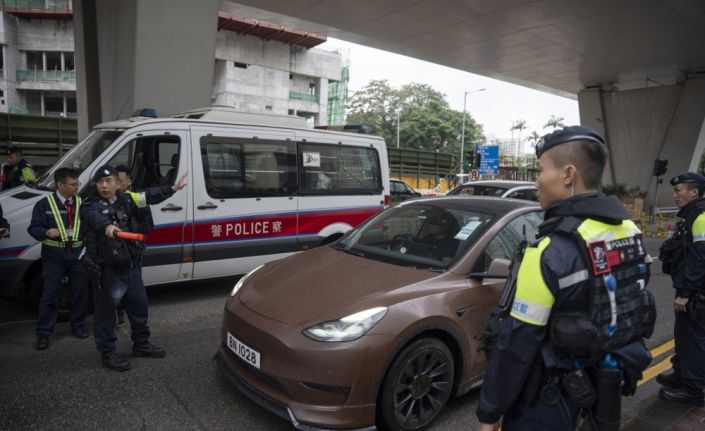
<point>143,54</point>
<point>645,124</point>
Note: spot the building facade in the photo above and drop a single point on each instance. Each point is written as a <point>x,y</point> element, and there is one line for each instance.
<point>259,67</point>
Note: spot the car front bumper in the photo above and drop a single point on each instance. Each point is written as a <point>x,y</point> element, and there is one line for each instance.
<point>314,385</point>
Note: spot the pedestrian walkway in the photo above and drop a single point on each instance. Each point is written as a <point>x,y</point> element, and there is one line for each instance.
<point>659,415</point>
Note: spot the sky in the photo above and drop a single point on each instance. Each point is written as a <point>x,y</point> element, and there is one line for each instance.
<point>495,108</point>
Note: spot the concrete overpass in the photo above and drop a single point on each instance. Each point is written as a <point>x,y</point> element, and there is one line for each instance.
<point>637,67</point>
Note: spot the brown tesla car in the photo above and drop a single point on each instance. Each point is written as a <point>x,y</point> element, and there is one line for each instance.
<point>381,327</point>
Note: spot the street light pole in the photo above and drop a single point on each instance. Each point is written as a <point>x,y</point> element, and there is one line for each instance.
<point>397,129</point>
<point>462,134</point>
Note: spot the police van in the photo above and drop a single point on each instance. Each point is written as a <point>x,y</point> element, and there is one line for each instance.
<point>260,187</point>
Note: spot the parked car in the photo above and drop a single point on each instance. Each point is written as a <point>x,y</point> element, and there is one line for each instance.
<point>401,191</point>
<point>507,189</point>
<point>380,326</point>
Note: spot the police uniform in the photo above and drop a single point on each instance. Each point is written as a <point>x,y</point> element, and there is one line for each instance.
<point>687,271</point>
<point>121,275</point>
<point>559,318</point>
<point>60,256</point>
<point>20,174</point>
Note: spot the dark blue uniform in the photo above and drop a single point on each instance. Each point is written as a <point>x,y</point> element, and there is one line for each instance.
<point>57,261</point>
<point>122,282</point>
<point>688,280</point>
<point>553,278</point>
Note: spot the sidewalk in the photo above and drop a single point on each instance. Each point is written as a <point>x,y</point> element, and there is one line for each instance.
<point>659,415</point>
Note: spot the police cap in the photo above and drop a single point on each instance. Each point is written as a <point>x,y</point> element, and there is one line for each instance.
<point>14,150</point>
<point>104,171</point>
<point>567,134</point>
<point>688,177</point>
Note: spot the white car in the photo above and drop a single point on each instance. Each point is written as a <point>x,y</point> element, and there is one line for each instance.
<point>525,190</point>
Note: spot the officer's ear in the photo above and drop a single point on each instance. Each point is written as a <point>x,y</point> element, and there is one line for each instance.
<point>569,174</point>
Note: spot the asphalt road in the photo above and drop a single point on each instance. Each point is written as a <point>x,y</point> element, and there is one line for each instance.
<point>65,387</point>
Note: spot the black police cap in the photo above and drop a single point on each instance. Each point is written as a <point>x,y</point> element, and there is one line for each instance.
<point>104,171</point>
<point>688,177</point>
<point>567,134</point>
<point>14,150</point>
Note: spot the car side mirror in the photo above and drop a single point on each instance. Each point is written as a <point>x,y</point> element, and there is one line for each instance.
<point>499,268</point>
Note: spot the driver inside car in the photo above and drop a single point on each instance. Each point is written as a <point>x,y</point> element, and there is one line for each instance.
<point>440,228</point>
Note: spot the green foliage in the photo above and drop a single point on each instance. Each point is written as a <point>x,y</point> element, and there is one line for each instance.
<point>621,191</point>
<point>554,122</point>
<point>426,121</point>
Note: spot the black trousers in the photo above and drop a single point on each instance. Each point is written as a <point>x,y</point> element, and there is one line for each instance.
<point>55,264</point>
<point>689,335</point>
<point>126,287</point>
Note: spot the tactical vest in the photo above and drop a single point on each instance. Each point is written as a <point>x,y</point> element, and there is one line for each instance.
<point>67,237</point>
<point>620,308</point>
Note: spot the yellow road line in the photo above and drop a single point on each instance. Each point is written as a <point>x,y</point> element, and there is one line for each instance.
<point>663,348</point>
<point>655,370</point>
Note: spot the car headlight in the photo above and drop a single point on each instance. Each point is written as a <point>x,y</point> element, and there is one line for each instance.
<point>348,328</point>
<point>242,280</point>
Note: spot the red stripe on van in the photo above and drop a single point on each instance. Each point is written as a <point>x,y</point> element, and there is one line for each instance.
<point>265,226</point>
<point>11,252</point>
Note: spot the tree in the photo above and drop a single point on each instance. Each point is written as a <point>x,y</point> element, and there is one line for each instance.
<point>533,139</point>
<point>426,120</point>
<point>554,122</point>
<point>518,125</point>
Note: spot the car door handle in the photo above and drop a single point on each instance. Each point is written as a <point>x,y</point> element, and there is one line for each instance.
<point>207,206</point>
<point>171,207</point>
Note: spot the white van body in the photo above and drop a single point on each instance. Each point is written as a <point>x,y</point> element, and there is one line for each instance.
<point>260,187</point>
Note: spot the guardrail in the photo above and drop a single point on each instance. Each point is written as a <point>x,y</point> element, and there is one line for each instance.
<point>37,4</point>
<point>303,96</point>
<point>46,75</point>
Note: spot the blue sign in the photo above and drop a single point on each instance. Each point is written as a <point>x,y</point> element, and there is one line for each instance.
<point>489,159</point>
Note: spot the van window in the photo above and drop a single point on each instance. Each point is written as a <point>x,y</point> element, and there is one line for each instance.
<point>152,160</point>
<point>236,168</point>
<point>337,169</point>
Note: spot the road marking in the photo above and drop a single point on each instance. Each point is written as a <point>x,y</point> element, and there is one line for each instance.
<point>655,370</point>
<point>663,348</point>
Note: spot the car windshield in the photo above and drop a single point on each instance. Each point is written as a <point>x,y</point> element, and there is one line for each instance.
<point>479,190</point>
<point>423,235</point>
<point>80,156</point>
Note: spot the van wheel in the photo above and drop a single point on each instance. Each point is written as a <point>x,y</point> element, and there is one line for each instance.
<point>63,299</point>
<point>417,386</point>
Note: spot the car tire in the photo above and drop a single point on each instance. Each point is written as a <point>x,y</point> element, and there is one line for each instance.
<point>417,386</point>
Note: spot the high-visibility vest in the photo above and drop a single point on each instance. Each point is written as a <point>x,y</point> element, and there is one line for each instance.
<point>74,237</point>
<point>139,198</point>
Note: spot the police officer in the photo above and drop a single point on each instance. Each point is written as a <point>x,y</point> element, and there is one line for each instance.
<point>121,270</point>
<point>559,329</point>
<point>686,264</point>
<point>21,173</point>
<point>153,195</point>
<point>56,223</point>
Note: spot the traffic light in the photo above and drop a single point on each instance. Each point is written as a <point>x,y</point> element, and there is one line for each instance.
<point>469,158</point>
<point>478,159</point>
<point>660,167</point>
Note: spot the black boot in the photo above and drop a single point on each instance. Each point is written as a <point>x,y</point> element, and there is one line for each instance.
<point>682,395</point>
<point>42,342</point>
<point>112,361</point>
<point>147,350</point>
<point>669,380</point>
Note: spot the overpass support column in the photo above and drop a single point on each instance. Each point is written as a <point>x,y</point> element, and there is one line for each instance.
<point>644,124</point>
<point>133,54</point>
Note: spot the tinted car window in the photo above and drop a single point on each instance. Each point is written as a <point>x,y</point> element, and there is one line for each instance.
<point>505,244</point>
<point>421,235</point>
<point>526,194</point>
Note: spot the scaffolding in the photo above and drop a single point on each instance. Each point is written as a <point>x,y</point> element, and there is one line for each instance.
<point>338,93</point>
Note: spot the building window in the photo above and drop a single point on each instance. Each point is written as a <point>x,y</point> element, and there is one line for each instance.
<point>69,63</point>
<point>35,60</point>
<point>312,89</point>
<point>240,65</point>
<point>71,106</point>
<point>53,61</point>
<point>54,105</point>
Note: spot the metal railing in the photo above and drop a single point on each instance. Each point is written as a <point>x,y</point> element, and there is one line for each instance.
<point>46,75</point>
<point>303,96</point>
<point>38,5</point>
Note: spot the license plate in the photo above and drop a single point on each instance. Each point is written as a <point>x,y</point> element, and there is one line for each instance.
<point>243,351</point>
